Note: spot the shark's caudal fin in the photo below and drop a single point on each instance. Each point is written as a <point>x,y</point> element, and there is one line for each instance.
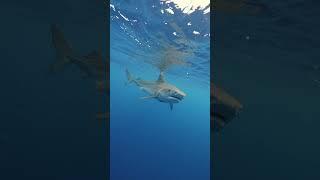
<point>129,77</point>
<point>65,55</point>
<point>62,48</point>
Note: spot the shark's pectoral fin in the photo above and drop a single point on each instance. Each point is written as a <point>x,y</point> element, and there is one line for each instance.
<point>148,97</point>
<point>171,106</point>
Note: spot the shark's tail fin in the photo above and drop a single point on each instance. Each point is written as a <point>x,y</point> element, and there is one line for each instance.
<point>129,77</point>
<point>62,48</point>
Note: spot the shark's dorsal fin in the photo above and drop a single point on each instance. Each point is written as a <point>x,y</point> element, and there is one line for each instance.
<point>161,77</point>
<point>171,106</point>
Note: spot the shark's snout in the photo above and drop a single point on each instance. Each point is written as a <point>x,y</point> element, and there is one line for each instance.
<point>177,95</point>
<point>171,95</point>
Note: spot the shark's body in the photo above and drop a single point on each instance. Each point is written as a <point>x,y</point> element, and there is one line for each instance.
<point>224,108</point>
<point>159,89</point>
<point>91,65</point>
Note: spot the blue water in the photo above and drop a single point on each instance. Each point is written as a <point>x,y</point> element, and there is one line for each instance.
<point>48,128</point>
<point>147,139</point>
<point>273,74</point>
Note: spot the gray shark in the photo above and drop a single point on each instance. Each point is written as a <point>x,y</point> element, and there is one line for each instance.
<point>159,89</point>
<point>224,108</point>
<point>91,65</point>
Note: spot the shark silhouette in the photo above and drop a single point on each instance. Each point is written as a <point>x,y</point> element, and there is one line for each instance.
<point>224,108</point>
<point>91,65</point>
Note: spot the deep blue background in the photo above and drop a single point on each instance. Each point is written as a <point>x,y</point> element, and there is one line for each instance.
<point>273,74</point>
<point>48,128</point>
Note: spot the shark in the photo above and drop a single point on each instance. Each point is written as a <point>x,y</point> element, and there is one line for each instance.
<point>159,89</point>
<point>224,108</point>
<point>91,65</point>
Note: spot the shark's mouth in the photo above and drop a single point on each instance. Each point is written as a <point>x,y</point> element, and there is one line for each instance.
<point>177,97</point>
